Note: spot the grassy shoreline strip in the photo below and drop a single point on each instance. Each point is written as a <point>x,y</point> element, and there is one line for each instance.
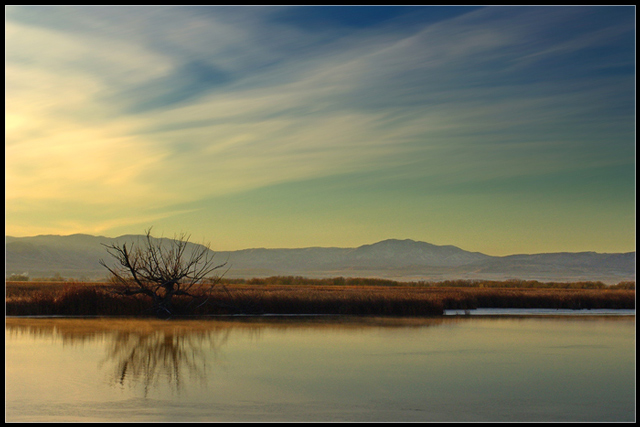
<point>95,299</point>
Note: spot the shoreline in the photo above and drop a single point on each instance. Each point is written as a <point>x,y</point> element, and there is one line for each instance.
<point>481,312</point>
<point>278,299</point>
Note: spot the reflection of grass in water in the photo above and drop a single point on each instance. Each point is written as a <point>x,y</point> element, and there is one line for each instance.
<point>368,298</point>
<point>79,330</point>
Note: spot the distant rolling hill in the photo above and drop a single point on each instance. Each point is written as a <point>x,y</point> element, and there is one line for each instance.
<point>78,256</point>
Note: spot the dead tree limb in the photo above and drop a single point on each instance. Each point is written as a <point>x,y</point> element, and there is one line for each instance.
<point>160,268</point>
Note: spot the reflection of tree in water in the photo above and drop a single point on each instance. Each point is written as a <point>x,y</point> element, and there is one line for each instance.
<point>162,357</point>
<point>152,353</point>
<point>147,353</point>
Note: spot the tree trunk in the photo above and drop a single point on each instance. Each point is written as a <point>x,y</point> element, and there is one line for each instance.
<point>162,306</point>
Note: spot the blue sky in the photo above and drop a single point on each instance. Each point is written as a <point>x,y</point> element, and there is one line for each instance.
<point>496,129</point>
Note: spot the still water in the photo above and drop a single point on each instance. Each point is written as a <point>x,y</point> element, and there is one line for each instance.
<point>569,368</point>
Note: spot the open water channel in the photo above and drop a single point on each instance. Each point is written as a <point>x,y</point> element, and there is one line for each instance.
<point>453,368</point>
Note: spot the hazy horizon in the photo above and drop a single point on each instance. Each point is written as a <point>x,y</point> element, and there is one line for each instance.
<point>500,130</point>
<point>215,249</point>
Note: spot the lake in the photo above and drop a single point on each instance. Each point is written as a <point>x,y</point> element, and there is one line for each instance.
<point>452,368</point>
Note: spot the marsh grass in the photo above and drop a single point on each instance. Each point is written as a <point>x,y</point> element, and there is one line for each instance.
<point>292,295</point>
<point>70,300</point>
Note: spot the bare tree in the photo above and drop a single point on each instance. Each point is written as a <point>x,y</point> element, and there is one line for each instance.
<point>161,268</point>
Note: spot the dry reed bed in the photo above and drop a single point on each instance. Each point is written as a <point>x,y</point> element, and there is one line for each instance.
<point>377,299</point>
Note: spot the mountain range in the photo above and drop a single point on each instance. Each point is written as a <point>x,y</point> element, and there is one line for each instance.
<point>77,256</point>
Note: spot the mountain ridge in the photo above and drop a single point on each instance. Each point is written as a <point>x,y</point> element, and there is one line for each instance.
<point>385,241</point>
<point>77,256</point>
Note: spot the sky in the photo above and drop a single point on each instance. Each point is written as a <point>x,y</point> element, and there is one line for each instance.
<point>501,130</point>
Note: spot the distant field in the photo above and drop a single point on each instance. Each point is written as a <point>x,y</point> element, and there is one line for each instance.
<point>296,295</point>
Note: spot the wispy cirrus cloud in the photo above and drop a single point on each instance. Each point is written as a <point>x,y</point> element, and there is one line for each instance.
<point>158,106</point>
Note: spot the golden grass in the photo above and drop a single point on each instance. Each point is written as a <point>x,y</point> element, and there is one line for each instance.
<point>291,295</point>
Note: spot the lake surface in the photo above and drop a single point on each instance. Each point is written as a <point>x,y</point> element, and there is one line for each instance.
<point>454,368</point>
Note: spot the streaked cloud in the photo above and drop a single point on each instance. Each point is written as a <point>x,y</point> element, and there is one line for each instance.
<point>153,112</point>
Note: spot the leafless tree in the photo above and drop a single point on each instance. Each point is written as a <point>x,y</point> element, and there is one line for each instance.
<point>161,268</point>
